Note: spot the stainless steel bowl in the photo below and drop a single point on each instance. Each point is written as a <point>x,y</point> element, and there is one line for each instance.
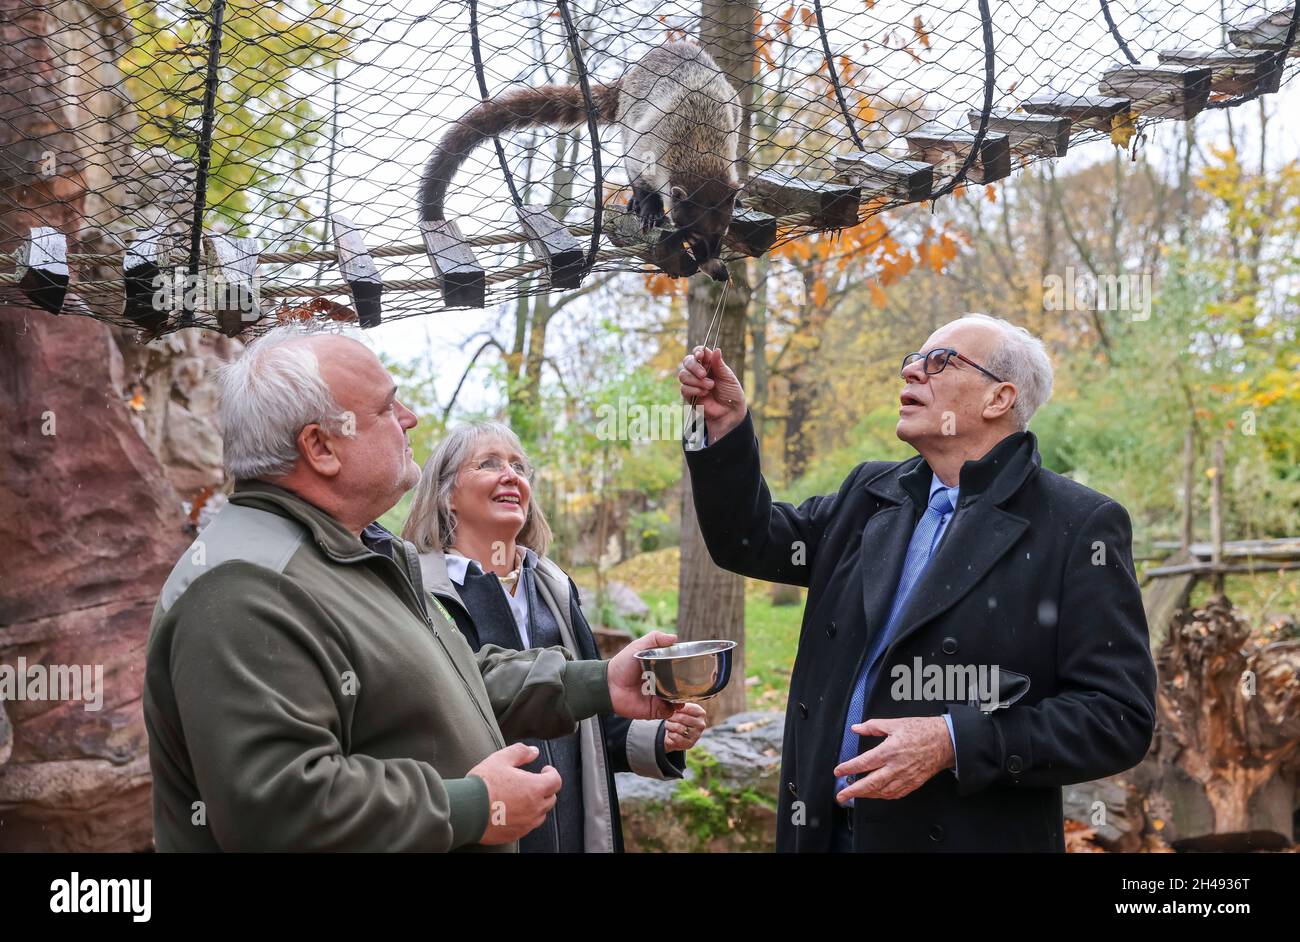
<point>688,672</point>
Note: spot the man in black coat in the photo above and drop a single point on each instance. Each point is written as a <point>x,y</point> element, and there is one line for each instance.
<point>973,637</point>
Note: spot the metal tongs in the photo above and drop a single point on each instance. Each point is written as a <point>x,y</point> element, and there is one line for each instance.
<point>693,430</point>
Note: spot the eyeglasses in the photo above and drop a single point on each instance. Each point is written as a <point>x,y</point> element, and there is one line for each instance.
<point>938,358</point>
<point>496,465</point>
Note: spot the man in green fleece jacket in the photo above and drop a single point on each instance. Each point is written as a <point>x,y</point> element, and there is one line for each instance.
<point>301,693</point>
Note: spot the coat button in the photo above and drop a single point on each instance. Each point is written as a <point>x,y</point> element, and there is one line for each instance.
<point>803,711</point>
<point>831,630</point>
<point>794,792</point>
<point>1014,764</point>
<point>949,645</point>
<point>936,833</point>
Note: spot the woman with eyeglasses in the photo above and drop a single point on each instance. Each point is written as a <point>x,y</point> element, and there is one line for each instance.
<point>483,544</point>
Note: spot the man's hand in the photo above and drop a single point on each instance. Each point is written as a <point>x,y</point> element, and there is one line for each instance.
<point>916,748</point>
<point>518,800</point>
<point>626,684</point>
<point>705,377</point>
<point>684,727</point>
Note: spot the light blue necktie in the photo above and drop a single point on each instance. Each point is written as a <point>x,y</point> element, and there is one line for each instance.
<point>918,557</point>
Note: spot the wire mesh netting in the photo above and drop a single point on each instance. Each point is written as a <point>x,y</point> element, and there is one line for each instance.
<point>235,163</point>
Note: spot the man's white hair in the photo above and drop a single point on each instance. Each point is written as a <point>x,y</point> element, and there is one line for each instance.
<point>1021,359</point>
<point>268,395</point>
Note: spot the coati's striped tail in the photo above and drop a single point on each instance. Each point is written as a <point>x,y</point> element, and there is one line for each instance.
<point>560,106</point>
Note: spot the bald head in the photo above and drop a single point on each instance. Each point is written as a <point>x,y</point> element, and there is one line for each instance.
<point>988,389</point>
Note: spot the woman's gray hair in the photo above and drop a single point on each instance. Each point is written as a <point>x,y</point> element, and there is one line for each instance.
<point>1021,359</point>
<point>431,524</point>
<point>270,394</point>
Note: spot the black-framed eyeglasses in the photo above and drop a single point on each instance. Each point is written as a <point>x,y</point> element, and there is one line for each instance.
<point>496,465</point>
<point>937,359</point>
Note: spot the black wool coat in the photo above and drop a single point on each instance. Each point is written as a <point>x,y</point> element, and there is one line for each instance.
<point>1034,574</point>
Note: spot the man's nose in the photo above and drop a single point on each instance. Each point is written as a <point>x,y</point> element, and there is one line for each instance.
<point>407,418</point>
<point>915,372</point>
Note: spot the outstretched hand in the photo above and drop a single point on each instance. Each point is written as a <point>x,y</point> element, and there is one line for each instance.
<point>628,689</point>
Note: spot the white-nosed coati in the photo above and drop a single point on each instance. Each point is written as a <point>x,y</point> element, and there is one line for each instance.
<point>679,121</point>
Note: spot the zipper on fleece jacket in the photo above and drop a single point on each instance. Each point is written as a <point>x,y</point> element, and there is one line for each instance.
<point>424,614</point>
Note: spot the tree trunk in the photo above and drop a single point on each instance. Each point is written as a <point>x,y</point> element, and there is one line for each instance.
<point>799,401</point>
<point>1222,772</point>
<point>710,601</point>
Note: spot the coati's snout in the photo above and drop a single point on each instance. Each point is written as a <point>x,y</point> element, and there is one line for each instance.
<point>702,216</point>
<point>716,269</point>
<point>706,254</point>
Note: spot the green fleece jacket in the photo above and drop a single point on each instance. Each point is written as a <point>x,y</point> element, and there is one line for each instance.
<point>299,694</point>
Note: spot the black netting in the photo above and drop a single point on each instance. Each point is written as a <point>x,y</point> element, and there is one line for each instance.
<point>163,139</point>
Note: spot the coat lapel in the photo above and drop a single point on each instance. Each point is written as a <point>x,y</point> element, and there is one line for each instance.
<point>978,536</point>
<point>884,546</point>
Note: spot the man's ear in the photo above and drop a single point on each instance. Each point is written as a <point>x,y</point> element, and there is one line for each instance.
<point>1001,402</point>
<point>316,447</point>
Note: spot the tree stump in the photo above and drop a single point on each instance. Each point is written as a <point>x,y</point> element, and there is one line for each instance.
<point>1222,771</point>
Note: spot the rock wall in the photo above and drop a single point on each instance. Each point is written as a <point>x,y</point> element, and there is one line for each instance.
<point>89,528</point>
<point>106,445</point>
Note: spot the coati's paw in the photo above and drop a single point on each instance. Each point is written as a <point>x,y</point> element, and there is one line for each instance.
<point>649,208</point>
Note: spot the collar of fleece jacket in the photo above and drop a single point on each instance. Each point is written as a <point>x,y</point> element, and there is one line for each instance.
<point>330,535</point>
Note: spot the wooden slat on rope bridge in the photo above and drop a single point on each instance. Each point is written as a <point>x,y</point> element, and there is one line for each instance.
<point>1266,32</point>
<point>751,233</point>
<point>1038,135</point>
<point>231,286</point>
<point>550,240</point>
<point>359,271</point>
<point>146,279</point>
<point>1096,112</point>
<point>881,174</point>
<point>943,146</point>
<point>463,281</point>
<point>662,246</point>
<point>830,205</point>
<point>1160,91</point>
<point>1234,71</point>
<point>43,268</point>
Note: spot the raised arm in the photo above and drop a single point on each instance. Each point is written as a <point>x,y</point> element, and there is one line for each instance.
<point>744,529</point>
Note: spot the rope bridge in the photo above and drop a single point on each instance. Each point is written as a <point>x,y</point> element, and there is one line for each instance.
<point>229,164</point>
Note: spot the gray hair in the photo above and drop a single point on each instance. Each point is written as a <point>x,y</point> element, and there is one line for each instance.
<point>270,394</point>
<point>1021,359</point>
<point>431,523</point>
